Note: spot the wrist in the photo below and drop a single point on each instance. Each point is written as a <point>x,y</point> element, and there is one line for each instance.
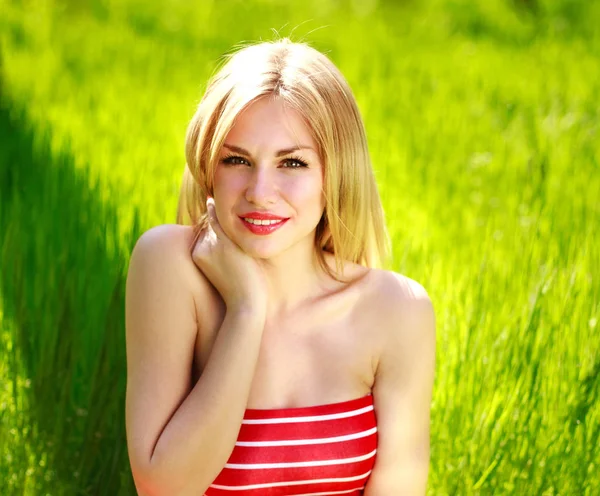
<point>247,309</point>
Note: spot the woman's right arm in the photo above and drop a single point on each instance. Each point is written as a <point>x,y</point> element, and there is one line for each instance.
<point>179,437</point>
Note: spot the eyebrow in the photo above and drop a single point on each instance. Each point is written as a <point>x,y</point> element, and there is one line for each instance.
<point>280,153</point>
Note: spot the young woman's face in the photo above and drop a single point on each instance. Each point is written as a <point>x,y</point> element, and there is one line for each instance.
<point>269,167</point>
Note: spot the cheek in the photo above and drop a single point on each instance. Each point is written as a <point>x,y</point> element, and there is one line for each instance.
<point>315,197</point>
<point>226,183</point>
<point>309,188</point>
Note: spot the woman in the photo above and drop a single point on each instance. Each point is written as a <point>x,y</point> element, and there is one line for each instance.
<point>267,352</point>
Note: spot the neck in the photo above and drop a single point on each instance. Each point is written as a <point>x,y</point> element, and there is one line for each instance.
<point>294,278</point>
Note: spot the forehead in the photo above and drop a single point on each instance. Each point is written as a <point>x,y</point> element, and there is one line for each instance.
<point>269,124</point>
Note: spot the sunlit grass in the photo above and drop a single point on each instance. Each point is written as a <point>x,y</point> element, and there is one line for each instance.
<point>482,122</point>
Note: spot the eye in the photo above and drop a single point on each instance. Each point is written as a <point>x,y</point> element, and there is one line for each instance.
<point>233,160</point>
<point>298,163</point>
<point>291,162</point>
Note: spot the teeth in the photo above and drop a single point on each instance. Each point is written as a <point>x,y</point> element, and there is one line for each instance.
<point>258,222</point>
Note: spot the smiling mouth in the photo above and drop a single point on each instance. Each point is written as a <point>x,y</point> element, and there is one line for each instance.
<point>263,222</point>
<point>262,227</point>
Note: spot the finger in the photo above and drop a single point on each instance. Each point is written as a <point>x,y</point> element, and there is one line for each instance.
<point>212,217</point>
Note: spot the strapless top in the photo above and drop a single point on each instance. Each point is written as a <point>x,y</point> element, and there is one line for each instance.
<point>315,450</point>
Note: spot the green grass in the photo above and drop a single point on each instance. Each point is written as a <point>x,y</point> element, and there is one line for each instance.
<point>482,119</point>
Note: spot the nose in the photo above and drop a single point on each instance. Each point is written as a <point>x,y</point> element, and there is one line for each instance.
<point>261,189</point>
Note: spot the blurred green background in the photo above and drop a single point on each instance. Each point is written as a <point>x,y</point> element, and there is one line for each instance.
<point>483,123</point>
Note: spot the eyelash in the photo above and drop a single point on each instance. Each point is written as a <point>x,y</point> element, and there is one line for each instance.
<point>228,158</point>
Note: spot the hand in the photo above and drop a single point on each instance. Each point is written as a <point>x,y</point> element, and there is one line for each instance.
<point>237,276</point>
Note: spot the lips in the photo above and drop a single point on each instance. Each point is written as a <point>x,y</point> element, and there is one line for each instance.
<point>261,229</point>
<point>262,216</point>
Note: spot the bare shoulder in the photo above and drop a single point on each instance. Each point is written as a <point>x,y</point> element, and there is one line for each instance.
<point>391,289</point>
<point>400,305</point>
<point>169,246</point>
<point>173,239</point>
<point>396,285</point>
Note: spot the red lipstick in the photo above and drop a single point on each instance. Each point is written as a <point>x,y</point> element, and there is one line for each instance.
<point>262,216</point>
<point>263,229</point>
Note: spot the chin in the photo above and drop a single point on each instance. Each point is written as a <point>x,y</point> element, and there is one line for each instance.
<point>273,245</point>
<point>261,249</point>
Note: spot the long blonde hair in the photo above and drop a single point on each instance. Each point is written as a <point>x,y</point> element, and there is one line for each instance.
<point>353,224</point>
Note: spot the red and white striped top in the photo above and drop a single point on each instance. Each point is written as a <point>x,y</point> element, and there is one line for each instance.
<point>307,451</point>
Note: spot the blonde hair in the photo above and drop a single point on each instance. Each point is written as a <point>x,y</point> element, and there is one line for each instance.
<point>353,225</point>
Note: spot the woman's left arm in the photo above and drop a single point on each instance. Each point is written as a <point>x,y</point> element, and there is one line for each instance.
<point>403,391</point>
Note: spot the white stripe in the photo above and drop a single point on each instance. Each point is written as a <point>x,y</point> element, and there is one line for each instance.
<point>315,418</point>
<point>303,442</point>
<point>316,463</point>
<point>333,492</point>
<point>290,483</point>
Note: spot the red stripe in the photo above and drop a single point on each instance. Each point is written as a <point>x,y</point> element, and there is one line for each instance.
<point>307,430</point>
<point>290,490</point>
<point>306,411</point>
<point>286,454</point>
<point>287,491</point>
<point>304,477</point>
<point>235,477</point>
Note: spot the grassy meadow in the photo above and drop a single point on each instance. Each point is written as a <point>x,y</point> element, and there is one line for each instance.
<point>483,124</point>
